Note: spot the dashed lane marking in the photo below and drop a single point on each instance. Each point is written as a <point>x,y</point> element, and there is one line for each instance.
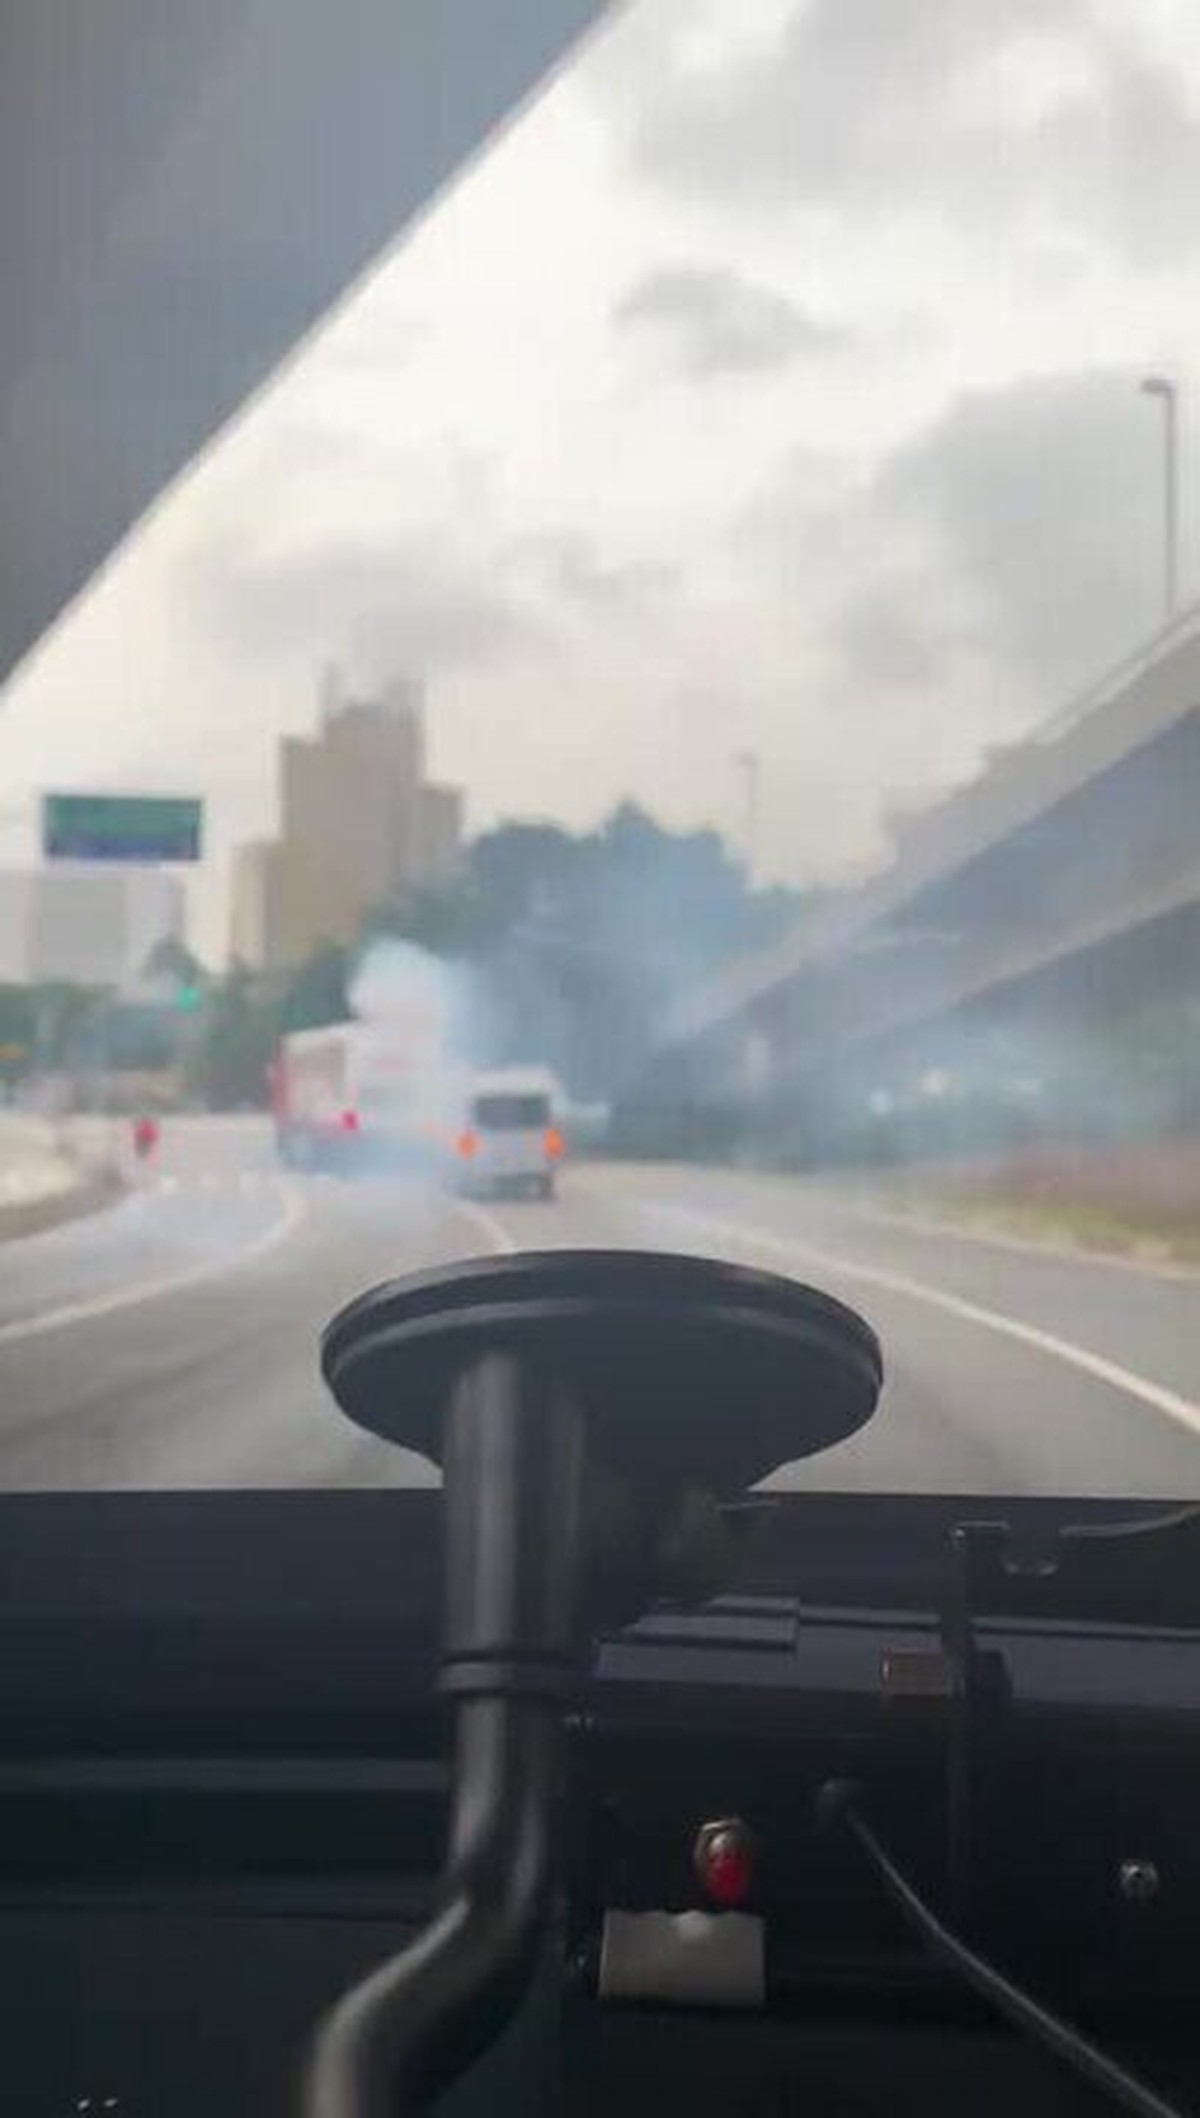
<point>495,1231</point>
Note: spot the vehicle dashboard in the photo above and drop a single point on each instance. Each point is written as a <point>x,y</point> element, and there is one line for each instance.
<point>222,1787</point>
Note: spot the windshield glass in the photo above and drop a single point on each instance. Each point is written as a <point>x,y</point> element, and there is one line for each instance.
<point>709,619</point>
<point>510,1113</point>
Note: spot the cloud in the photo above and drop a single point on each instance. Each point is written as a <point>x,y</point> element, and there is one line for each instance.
<point>407,604</point>
<point>721,323</point>
<point>1046,112</point>
<point>890,640</point>
<point>981,574</point>
<point>1043,505</point>
<point>575,573</point>
<point>458,596</point>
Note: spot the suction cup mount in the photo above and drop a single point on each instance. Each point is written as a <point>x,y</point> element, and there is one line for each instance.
<point>572,1398</point>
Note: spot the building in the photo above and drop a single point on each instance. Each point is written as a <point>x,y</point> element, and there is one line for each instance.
<point>439,831</point>
<point>84,922</point>
<point>254,914</point>
<point>359,823</point>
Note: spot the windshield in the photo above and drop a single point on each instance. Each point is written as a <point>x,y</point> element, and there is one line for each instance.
<point>510,1113</point>
<point>708,619</point>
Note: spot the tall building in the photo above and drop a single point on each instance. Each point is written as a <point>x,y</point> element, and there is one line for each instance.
<point>254,916</point>
<point>84,922</point>
<point>439,831</point>
<point>359,822</point>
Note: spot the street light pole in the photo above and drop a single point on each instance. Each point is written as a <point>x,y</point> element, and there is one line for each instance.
<point>1167,392</point>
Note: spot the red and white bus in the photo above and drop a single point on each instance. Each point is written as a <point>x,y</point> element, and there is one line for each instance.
<point>361,1095</point>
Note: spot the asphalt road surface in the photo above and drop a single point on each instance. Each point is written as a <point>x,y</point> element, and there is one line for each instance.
<point>170,1340</point>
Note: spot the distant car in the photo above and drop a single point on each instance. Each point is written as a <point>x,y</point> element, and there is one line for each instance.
<point>510,1140</point>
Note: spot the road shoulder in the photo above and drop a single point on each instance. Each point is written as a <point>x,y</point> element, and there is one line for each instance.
<point>46,1178</point>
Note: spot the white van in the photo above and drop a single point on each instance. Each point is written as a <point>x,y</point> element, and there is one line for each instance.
<point>510,1138</point>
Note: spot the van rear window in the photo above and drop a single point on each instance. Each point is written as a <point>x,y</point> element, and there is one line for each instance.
<point>510,1113</point>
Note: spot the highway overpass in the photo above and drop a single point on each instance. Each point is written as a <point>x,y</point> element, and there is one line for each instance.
<point>1059,888</point>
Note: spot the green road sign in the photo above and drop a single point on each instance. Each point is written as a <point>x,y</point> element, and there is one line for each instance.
<point>121,827</point>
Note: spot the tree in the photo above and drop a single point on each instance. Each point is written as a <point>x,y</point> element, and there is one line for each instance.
<point>172,962</point>
<point>63,1013</point>
<point>573,946</point>
<point>519,869</point>
<point>606,931</point>
<point>18,1032</point>
<point>227,1064</point>
<point>316,993</point>
<point>448,919</point>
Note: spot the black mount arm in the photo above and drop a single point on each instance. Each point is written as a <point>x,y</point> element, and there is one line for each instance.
<point>513,1463</point>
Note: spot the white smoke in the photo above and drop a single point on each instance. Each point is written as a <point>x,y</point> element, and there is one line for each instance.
<point>442,1007</point>
<point>395,981</point>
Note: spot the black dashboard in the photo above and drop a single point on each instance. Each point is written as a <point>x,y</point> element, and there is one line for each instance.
<point>222,1788</point>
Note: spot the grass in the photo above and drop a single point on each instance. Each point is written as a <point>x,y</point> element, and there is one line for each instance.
<point>1060,1222</point>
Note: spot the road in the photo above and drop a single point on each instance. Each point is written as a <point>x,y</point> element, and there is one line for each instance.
<point>170,1340</point>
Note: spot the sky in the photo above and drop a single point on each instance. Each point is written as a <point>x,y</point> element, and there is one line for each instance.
<point>771,385</point>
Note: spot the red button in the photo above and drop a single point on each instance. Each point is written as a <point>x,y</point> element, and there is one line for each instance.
<point>724,1861</point>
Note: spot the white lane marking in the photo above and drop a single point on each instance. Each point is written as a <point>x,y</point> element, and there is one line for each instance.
<point>294,1211</point>
<point>1184,1411</point>
<point>495,1231</point>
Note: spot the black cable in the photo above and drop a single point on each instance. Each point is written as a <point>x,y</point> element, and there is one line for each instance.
<point>1026,2014</point>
